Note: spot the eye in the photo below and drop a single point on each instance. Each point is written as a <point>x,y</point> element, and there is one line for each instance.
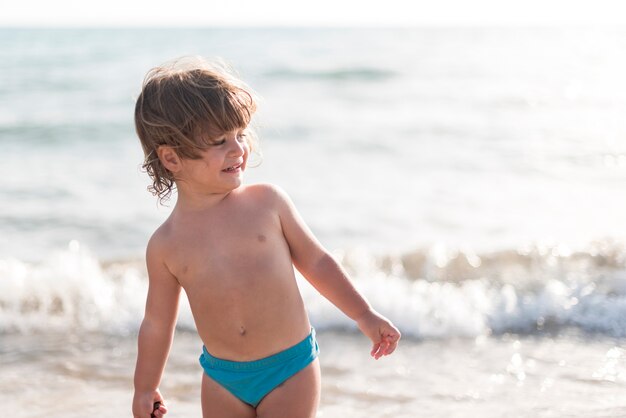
<point>241,137</point>
<point>219,142</point>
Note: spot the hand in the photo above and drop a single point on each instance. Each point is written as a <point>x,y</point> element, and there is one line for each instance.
<point>148,405</point>
<point>381,331</point>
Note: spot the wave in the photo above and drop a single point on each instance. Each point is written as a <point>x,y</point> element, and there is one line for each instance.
<point>428,293</point>
<point>340,74</point>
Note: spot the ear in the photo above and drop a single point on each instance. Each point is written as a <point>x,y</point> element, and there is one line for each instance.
<point>168,157</point>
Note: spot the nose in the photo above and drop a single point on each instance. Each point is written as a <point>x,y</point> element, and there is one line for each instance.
<point>238,147</point>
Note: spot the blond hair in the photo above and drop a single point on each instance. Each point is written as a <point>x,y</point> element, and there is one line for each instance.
<point>186,104</point>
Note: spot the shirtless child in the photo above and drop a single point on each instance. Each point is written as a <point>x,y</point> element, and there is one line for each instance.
<point>232,248</point>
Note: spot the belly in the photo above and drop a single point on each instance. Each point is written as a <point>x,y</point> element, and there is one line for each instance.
<point>251,317</point>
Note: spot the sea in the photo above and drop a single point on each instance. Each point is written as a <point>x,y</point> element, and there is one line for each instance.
<point>470,179</point>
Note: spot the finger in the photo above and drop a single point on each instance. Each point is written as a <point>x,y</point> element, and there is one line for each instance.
<point>392,334</point>
<point>385,348</point>
<point>381,349</point>
<point>375,349</point>
<point>391,348</point>
<point>392,343</point>
<point>379,353</point>
<point>157,410</point>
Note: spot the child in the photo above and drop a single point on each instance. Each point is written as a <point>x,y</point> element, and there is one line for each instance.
<point>232,248</point>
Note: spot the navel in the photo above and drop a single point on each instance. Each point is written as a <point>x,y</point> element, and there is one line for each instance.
<point>242,331</point>
<point>261,238</point>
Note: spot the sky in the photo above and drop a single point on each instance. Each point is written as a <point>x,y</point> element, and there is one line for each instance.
<point>309,13</point>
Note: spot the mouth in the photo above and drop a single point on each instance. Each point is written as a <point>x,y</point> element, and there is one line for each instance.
<point>233,168</point>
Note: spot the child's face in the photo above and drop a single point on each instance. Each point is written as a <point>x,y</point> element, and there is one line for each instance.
<point>221,166</point>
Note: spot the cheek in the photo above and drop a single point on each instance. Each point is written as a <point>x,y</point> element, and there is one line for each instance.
<point>203,166</point>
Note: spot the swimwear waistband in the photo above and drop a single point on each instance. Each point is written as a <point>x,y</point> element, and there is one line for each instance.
<point>304,347</point>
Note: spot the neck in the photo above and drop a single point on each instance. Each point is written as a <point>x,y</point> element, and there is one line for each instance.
<point>188,201</point>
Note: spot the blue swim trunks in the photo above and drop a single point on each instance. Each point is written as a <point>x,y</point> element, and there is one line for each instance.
<point>251,381</point>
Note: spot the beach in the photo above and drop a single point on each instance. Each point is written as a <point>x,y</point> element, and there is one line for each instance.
<point>470,180</point>
<point>512,376</point>
<point>469,348</point>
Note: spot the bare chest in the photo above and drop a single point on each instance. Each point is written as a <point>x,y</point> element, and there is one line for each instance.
<point>226,255</point>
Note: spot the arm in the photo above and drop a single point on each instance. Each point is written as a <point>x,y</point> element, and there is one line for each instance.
<point>330,279</point>
<point>155,334</point>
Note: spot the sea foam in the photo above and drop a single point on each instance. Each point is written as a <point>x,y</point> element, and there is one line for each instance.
<point>448,293</point>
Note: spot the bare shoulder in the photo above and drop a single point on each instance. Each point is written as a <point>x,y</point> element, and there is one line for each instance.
<point>158,242</point>
<point>157,254</point>
<point>268,194</point>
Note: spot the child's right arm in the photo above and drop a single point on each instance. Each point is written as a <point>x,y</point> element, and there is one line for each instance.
<point>155,334</point>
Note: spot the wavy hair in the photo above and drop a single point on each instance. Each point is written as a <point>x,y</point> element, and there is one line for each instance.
<point>184,104</point>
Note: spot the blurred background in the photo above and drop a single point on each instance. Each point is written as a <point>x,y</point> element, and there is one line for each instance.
<point>466,163</point>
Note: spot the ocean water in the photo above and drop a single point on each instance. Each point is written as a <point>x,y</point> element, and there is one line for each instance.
<point>471,180</point>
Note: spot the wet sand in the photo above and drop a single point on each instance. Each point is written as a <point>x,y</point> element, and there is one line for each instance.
<point>532,376</point>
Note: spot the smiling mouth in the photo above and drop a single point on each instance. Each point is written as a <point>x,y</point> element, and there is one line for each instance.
<point>233,168</point>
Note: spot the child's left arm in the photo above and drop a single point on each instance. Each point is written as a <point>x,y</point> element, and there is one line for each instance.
<point>330,279</point>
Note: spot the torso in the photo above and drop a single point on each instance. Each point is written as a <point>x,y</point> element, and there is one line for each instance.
<point>235,266</point>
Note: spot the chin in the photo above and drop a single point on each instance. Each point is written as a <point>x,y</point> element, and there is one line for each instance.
<point>237,184</point>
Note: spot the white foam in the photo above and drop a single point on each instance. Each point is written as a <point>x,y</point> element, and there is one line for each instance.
<point>71,289</point>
